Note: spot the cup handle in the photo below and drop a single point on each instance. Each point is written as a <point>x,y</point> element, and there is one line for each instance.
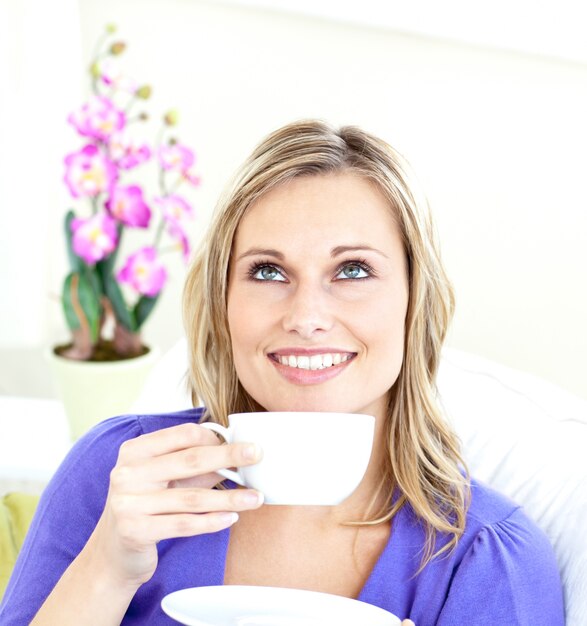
<point>226,435</point>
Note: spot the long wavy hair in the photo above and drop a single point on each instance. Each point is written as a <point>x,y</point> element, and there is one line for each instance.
<point>423,467</point>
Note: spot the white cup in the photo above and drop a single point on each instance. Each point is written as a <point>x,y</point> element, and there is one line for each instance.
<point>308,458</point>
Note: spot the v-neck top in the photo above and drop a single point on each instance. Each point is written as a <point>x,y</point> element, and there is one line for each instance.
<point>503,570</point>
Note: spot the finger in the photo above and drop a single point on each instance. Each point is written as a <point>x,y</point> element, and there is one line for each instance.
<point>408,622</point>
<point>203,481</point>
<point>165,441</point>
<point>198,461</point>
<point>146,531</point>
<point>177,501</point>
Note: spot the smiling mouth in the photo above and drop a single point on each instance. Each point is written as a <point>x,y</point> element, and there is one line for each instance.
<point>312,362</point>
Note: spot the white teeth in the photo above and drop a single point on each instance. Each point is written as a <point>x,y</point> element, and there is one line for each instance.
<point>314,362</point>
<point>304,362</point>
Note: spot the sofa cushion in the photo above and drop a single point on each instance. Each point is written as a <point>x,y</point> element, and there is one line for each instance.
<point>16,513</point>
<point>527,438</point>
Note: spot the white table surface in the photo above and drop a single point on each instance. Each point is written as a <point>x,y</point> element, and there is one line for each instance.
<point>34,439</point>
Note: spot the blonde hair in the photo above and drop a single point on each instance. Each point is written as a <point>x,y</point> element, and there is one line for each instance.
<point>423,468</point>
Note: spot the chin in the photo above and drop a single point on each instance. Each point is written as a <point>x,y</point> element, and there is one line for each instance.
<point>314,404</point>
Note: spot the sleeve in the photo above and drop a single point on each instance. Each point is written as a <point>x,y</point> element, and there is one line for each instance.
<point>507,576</point>
<point>68,511</point>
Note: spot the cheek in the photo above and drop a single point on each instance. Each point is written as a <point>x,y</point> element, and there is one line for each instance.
<point>237,323</point>
<point>246,323</point>
<point>386,328</point>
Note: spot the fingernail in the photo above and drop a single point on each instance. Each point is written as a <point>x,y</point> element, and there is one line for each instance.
<point>230,518</point>
<point>250,452</point>
<point>252,498</point>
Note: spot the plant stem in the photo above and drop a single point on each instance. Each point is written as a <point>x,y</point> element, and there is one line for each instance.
<point>159,139</point>
<point>99,44</point>
<point>159,233</point>
<point>180,180</point>
<point>96,79</point>
<point>95,89</point>
<point>162,185</point>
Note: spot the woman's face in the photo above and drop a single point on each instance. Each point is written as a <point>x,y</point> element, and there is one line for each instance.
<point>317,297</point>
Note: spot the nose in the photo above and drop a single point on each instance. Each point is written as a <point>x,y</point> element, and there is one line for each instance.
<point>308,311</point>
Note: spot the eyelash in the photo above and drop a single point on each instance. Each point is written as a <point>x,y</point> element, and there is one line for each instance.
<point>362,263</point>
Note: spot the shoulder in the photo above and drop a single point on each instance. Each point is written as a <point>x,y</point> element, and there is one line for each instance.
<point>127,426</point>
<point>70,507</point>
<point>488,506</point>
<point>91,459</point>
<point>504,551</point>
<point>116,430</point>
<point>502,570</point>
<point>497,524</point>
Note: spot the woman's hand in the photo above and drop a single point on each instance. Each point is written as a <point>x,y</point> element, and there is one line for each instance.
<point>408,622</point>
<point>160,488</point>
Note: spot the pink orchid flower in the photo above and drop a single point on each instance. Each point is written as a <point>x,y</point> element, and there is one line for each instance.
<point>111,74</point>
<point>144,272</point>
<point>177,232</point>
<point>176,157</point>
<point>176,211</point>
<point>127,205</point>
<point>191,176</point>
<point>126,152</point>
<point>88,172</point>
<point>94,238</point>
<point>174,208</point>
<point>98,118</point>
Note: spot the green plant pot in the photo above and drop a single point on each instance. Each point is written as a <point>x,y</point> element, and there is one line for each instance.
<point>92,392</point>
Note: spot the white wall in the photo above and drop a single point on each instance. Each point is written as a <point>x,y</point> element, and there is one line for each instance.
<point>498,139</point>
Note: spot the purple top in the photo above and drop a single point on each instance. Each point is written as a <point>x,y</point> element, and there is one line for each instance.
<point>503,570</point>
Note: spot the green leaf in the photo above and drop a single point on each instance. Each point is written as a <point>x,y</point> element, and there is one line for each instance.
<point>70,315</point>
<point>94,278</point>
<point>81,306</point>
<point>143,309</point>
<point>106,266</point>
<point>123,314</point>
<point>75,262</point>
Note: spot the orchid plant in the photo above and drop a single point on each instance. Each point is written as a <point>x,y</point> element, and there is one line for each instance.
<point>100,288</point>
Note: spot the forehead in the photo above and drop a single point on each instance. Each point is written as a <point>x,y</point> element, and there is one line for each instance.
<point>326,209</point>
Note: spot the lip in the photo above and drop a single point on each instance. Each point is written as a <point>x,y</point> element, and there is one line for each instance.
<point>309,377</point>
<point>309,351</point>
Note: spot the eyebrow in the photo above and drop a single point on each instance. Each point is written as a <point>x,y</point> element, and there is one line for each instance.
<point>262,252</point>
<point>336,251</point>
<point>357,248</point>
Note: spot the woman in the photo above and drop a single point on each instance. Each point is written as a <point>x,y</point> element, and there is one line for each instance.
<point>319,287</point>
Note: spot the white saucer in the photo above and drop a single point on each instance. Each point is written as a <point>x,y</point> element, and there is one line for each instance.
<point>234,605</point>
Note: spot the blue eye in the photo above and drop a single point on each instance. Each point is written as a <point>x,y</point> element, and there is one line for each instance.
<point>266,273</point>
<point>354,271</point>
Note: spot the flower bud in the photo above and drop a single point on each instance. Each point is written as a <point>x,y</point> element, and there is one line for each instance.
<point>110,28</point>
<point>170,118</point>
<point>95,70</point>
<point>144,92</point>
<point>118,47</point>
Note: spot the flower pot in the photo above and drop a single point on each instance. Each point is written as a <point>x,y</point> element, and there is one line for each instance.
<point>94,391</point>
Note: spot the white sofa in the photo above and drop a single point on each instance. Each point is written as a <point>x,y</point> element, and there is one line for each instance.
<point>521,434</point>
